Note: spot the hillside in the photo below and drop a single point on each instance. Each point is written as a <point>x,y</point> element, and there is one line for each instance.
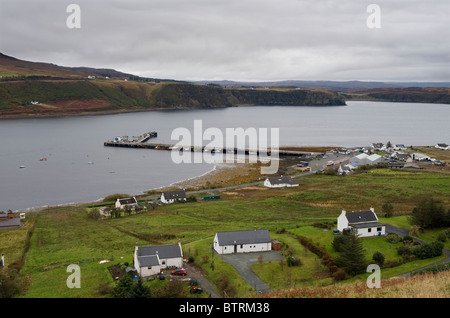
<point>64,97</point>
<point>403,94</point>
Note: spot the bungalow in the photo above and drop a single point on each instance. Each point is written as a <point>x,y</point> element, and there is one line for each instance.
<point>280,182</point>
<point>402,156</point>
<point>420,157</point>
<point>242,241</point>
<point>442,146</point>
<point>150,260</point>
<point>126,203</point>
<point>364,223</point>
<point>399,147</point>
<point>172,196</point>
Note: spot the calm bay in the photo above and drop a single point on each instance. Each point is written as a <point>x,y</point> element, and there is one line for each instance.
<point>78,168</point>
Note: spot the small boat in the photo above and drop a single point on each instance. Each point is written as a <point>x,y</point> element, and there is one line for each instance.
<point>90,163</point>
<point>43,159</point>
<point>21,167</point>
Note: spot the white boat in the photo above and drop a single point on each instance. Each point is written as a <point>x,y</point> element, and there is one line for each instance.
<point>21,167</point>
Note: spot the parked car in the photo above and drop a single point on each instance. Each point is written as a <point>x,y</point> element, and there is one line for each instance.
<point>180,272</point>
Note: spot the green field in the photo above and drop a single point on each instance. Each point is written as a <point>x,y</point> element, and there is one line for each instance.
<point>62,238</point>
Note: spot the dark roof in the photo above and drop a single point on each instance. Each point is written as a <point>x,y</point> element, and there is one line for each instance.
<point>281,180</point>
<point>179,194</point>
<point>243,237</point>
<point>361,217</point>
<point>163,251</point>
<point>128,201</point>
<point>149,260</point>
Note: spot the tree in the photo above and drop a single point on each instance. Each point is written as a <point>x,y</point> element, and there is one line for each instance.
<point>139,290</point>
<point>429,213</point>
<point>352,258</point>
<point>388,209</point>
<point>123,287</point>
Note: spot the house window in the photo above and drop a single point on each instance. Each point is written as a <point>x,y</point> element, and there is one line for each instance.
<point>378,229</point>
<point>149,267</point>
<point>242,245</point>
<point>163,262</point>
<point>369,229</point>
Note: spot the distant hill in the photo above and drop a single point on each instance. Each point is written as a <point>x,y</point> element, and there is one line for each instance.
<point>33,89</point>
<point>340,86</point>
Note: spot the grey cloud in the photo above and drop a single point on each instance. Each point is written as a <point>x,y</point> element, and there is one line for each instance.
<point>236,40</point>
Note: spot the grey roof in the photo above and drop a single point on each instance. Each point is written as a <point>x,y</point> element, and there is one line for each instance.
<point>243,237</point>
<point>282,180</point>
<point>179,194</point>
<point>9,223</point>
<point>361,217</point>
<point>366,224</point>
<point>163,251</point>
<point>128,201</point>
<point>149,260</point>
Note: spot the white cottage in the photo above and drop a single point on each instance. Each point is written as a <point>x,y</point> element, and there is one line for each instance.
<point>242,241</point>
<point>365,223</point>
<point>150,260</point>
<point>128,202</point>
<point>442,146</point>
<point>280,182</point>
<point>172,196</point>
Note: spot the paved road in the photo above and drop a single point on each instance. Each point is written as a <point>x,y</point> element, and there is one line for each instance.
<point>242,262</point>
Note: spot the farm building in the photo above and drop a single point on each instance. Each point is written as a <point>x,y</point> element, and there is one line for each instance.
<point>150,260</point>
<point>172,196</point>
<point>242,241</point>
<point>365,223</point>
<point>280,182</point>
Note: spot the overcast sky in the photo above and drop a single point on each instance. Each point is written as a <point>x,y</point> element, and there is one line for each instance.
<point>246,40</point>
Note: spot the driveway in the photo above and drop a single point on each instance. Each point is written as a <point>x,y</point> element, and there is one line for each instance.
<point>242,262</point>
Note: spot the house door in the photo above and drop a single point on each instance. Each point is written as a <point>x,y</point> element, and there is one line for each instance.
<point>235,248</point>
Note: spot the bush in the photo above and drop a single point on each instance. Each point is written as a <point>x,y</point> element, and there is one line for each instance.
<point>292,261</point>
<point>428,250</point>
<point>392,238</point>
<point>407,239</point>
<point>340,274</point>
<point>442,236</point>
<point>404,251</point>
<point>378,258</point>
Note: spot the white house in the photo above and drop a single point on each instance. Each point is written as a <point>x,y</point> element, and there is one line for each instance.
<point>365,223</point>
<point>172,196</point>
<point>442,146</point>
<point>280,182</point>
<point>150,260</point>
<point>420,157</point>
<point>242,241</point>
<point>128,202</point>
